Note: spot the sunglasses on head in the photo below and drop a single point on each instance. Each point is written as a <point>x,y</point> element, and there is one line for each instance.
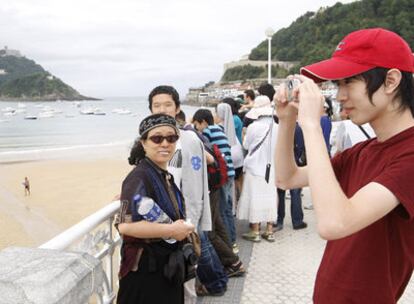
<point>157,139</point>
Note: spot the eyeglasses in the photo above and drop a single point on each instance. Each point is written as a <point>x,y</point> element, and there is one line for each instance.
<point>157,139</point>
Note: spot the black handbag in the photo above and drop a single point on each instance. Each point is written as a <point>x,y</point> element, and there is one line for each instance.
<point>181,265</point>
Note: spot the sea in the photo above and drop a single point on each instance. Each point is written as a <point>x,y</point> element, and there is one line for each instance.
<point>60,129</point>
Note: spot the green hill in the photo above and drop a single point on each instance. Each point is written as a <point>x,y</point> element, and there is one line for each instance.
<point>24,79</point>
<point>314,36</point>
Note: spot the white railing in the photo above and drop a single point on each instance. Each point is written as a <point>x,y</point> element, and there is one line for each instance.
<point>101,244</point>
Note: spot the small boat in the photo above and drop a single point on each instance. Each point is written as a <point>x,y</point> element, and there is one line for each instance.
<point>86,111</point>
<point>8,109</point>
<point>30,117</point>
<point>98,111</point>
<point>9,113</point>
<point>121,111</point>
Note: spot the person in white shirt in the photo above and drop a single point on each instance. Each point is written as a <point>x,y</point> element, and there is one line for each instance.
<point>258,200</point>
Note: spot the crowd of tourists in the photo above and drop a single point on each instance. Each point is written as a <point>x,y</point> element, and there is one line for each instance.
<point>193,176</point>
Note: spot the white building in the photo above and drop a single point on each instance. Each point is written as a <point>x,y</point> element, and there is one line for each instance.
<point>8,52</point>
<point>258,63</point>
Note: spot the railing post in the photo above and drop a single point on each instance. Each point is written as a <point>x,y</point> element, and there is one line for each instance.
<point>109,257</point>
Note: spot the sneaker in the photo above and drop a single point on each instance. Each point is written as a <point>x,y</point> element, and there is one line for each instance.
<point>278,227</point>
<point>268,237</point>
<point>235,248</point>
<point>252,236</point>
<point>303,225</point>
<point>236,270</point>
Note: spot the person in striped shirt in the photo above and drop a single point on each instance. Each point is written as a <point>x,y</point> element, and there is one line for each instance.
<point>204,122</point>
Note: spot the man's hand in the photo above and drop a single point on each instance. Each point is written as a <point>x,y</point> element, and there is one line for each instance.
<point>285,110</point>
<point>310,104</point>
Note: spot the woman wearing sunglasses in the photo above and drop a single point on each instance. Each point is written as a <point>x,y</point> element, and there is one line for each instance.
<point>144,251</point>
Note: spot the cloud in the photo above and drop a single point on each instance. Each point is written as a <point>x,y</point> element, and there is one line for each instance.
<point>125,47</point>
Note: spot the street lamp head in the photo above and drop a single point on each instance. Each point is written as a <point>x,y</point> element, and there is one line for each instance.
<point>269,32</point>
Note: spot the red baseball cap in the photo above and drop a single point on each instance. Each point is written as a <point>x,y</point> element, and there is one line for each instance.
<point>361,51</point>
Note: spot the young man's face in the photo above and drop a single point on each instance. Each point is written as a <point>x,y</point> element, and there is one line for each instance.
<point>352,94</point>
<point>164,104</point>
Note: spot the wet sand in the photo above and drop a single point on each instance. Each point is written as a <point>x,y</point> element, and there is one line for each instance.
<point>63,192</point>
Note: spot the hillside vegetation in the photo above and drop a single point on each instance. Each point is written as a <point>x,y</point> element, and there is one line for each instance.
<point>24,79</point>
<point>314,36</point>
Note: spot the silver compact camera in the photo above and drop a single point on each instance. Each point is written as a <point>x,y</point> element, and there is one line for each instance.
<point>291,84</point>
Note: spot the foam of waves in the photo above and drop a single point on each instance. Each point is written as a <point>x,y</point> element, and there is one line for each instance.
<point>63,152</point>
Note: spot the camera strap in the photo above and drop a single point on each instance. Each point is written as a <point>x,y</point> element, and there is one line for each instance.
<point>365,132</point>
<point>269,156</point>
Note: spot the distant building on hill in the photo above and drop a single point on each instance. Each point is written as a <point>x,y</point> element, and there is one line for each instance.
<point>258,63</point>
<point>9,52</point>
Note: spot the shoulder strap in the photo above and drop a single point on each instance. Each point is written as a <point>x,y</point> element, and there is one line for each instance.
<point>365,132</point>
<point>261,142</point>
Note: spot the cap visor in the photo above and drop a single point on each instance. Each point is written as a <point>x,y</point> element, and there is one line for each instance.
<point>333,69</point>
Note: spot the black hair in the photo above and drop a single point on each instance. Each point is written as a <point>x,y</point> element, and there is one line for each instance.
<point>180,116</point>
<point>267,89</point>
<point>250,93</point>
<point>329,110</point>
<point>165,89</point>
<point>204,115</point>
<point>137,152</point>
<point>375,78</point>
<point>235,106</point>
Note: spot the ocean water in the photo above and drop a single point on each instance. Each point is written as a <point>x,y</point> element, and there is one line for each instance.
<point>69,132</point>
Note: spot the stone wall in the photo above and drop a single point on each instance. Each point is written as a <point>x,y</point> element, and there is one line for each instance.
<point>43,276</point>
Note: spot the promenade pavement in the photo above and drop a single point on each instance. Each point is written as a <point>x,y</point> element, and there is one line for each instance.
<point>284,271</point>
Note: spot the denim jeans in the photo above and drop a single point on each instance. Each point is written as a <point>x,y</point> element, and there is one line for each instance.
<point>210,271</point>
<point>226,208</point>
<point>296,211</point>
<point>218,235</point>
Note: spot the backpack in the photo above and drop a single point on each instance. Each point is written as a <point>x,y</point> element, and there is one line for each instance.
<point>217,171</point>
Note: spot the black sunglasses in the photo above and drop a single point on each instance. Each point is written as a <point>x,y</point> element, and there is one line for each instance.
<point>157,139</point>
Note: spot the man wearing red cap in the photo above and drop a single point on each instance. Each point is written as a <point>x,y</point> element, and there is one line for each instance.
<point>363,197</point>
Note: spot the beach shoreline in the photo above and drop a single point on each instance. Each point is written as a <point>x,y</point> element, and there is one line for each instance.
<point>64,191</point>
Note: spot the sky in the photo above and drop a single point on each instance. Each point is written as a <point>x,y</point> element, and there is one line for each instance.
<point>112,48</point>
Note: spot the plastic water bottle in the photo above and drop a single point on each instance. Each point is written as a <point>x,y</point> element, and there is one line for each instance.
<point>151,212</point>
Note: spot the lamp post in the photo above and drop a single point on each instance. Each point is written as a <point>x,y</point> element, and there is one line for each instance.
<point>269,33</point>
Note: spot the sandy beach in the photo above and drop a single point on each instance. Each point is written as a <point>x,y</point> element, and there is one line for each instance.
<point>63,192</point>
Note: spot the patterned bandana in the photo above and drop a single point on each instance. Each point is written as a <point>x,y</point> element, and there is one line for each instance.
<point>157,120</point>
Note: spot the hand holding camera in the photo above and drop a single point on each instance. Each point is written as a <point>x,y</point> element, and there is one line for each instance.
<point>292,86</point>
<point>286,99</point>
<point>309,103</point>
